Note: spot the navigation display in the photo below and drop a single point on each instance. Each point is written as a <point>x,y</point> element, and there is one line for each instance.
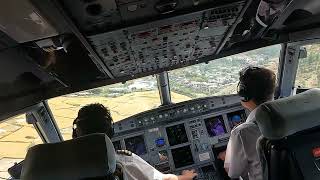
<point>117,145</point>
<point>177,134</point>
<point>215,126</point>
<point>182,156</point>
<point>136,145</point>
<point>236,118</point>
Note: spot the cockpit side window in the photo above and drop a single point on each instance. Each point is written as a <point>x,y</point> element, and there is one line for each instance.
<point>308,73</point>
<point>16,137</point>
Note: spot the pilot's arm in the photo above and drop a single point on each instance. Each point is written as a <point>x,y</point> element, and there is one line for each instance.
<point>236,161</point>
<point>186,175</point>
<point>135,168</point>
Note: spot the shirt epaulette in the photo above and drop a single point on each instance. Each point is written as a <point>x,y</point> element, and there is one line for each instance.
<point>124,152</point>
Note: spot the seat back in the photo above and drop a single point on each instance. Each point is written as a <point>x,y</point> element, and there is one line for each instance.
<point>289,146</point>
<point>87,157</point>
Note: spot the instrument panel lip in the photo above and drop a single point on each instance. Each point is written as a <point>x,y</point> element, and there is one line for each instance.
<point>161,109</point>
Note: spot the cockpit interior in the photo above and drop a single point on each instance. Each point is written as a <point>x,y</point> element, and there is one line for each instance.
<point>168,71</point>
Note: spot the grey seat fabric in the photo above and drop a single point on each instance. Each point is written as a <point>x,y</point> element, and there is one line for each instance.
<point>85,157</point>
<point>290,131</point>
<point>284,117</point>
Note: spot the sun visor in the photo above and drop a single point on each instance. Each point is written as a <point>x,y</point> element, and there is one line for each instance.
<point>23,22</point>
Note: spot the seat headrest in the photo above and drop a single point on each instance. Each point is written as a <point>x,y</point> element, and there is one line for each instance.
<point>83,157</point>
<point>284,117</point>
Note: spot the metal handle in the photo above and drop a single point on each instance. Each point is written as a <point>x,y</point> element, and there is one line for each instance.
<point>166,6</point>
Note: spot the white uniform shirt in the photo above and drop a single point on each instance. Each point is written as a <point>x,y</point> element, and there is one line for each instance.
<point>241,156</point>
<point>135,168</point>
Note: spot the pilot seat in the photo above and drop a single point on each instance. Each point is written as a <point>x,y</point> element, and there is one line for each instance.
<point>289,147</point>
<point>88,157</point>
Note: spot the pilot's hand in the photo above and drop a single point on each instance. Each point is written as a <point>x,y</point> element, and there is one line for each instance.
<point>163,158</point>
<point>185,175</point>
<point>189,174</point>
<point>222,155</point>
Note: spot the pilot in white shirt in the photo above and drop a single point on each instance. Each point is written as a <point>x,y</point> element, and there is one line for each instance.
<point>256,86</point>
<point>241,157</point>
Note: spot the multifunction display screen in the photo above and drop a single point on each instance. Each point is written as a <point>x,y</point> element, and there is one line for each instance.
<point>182,156</point>
<point>215,126</point>
<point>136,145</point>
<point>236,118</point>
<point>177,134</point>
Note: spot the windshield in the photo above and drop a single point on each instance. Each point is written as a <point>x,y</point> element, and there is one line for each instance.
<point>123,100</point>
<point>220,76</point>
<point>308,72</point>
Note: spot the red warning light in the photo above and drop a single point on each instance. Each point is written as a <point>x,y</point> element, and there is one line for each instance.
<point>316,152</point>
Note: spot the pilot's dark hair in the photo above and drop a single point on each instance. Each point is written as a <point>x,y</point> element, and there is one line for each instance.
<point>93,118</point>
<point>257,84</point>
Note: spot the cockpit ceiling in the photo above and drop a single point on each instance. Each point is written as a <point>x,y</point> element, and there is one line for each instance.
<point>165,43</point>
<point>92,43</point>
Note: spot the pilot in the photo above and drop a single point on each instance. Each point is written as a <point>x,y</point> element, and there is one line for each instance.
<point>256,86</point>
<point>95,118</point>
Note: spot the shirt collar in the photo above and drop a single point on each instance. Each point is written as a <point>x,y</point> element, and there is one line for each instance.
<point>252,116</point>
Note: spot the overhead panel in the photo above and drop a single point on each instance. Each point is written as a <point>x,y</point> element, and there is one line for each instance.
<point>165,43</point>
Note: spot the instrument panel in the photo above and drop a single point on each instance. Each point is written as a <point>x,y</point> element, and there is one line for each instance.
<point>182,136</point>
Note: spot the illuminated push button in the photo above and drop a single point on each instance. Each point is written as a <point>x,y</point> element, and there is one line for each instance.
<point>316,152</point>
<point>160,116</point>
